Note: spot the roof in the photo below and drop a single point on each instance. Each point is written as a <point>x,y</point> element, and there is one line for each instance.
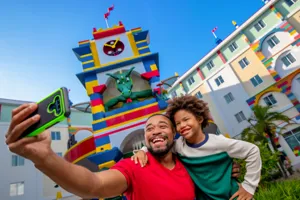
<point>229,38</point>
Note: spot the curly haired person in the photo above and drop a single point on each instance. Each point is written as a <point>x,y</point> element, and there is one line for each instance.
<point>208,157</point>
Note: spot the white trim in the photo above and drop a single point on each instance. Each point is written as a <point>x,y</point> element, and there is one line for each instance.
<point>225,42</point>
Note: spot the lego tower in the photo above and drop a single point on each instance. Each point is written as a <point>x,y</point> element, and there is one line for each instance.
<point>121,78</point>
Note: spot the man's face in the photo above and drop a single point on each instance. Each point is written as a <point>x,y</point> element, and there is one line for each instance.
<point>159,135</point>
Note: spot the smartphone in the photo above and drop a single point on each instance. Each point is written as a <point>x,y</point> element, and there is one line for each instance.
<point>52,109</point>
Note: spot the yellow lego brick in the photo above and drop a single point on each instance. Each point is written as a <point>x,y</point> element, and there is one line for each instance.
<point>153,67</point>
<point>103,148</point>
<point>97,109</point>
<point>89,86</point>
<point>227,135</point>
<point>108,164</point>
<point>293,32</point>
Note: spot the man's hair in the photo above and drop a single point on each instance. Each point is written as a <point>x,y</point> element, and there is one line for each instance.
<point>191,104</point>
<point>164,115</point>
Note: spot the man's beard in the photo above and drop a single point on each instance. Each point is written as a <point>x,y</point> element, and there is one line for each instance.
<point>161,152</point>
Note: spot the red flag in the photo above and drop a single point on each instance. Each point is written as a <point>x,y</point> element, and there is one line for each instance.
<point>106,15</point>
<point>214,30</point>
<point>111,8</point>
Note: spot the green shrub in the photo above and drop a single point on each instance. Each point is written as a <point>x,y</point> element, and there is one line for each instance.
<point>270,170</point>
<point>283,190</point>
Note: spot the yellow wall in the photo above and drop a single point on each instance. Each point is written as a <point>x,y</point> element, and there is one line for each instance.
<point>204,89</point>
<point>295,21</point>
<point>255,67</point>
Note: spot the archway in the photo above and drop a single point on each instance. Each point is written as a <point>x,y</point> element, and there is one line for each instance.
<point>133,141</point>
<point>296,86</point>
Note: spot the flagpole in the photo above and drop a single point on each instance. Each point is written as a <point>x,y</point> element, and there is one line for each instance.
<point>214,34</point>
<point>106,22</point>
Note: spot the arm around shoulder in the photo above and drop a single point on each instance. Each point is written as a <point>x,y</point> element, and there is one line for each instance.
<point>251,154</point>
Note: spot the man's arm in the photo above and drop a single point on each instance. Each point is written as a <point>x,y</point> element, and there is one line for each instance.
<point>251,154</point>
<point>82,182</point>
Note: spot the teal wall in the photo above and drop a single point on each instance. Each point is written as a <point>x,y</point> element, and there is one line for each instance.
<point>270,19</point>
<point>241,43</point>
<point>197,79</point>
<point>77,118</point>
<point>6,113</point>
<point>284,9</point>
<point>216,60</point>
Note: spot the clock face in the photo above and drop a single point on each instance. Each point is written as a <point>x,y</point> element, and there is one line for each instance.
<point>113,47</point>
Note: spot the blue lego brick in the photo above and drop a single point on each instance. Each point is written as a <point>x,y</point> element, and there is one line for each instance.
<point>82,50</point>
<point>102,141</point>
<point>90,77</point>
<point>142,44</point>
<point>96,96</point>
<point>162,104</point>
<point>147,65</point>
<point>291,96</point>
<point>140,36</point>
<point>146,50</point>
<point>130,107</point>
<point>98,116</point>
<point>87,58</point>
<point>99,126</point>
<point>103,157</point>
<point>88,65</point>
<point>298,117</point>
<point>154,79</point>
<point>251,99</point>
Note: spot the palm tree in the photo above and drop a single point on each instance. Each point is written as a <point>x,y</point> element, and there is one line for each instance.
<point>265,122</point>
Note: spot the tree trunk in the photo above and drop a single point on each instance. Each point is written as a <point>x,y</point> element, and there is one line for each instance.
<point>275,149</point>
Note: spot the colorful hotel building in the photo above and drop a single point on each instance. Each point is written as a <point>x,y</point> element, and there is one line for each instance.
<point>258,63</point>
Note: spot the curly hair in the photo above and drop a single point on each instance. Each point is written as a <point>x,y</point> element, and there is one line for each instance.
<point>191,104</point>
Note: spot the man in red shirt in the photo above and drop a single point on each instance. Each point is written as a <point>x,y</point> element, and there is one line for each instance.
<point>163,178</point>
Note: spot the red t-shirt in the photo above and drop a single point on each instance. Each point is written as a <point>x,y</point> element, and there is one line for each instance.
<point>155,182</point>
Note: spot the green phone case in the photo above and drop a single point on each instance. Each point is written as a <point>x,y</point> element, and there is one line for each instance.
<point>52,110</point>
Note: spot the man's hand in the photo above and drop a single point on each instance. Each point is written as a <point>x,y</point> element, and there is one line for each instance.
<point>236,168</point>
<point>140,157</point>
<point>242,194</point>
<point>36,148</point>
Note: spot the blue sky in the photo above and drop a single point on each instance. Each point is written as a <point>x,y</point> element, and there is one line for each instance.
<point>37,37</point>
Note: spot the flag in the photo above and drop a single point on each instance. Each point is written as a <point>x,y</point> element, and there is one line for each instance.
<point>108,12</point>
<point>214,30</point>
<point>111,8</point>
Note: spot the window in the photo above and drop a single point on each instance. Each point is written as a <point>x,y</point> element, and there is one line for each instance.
<point>229,97</point>
<point>198,95</point>
<point>270,100</point>
<point>17,160</point>
<point>273,41</point>
<point>293,138</point>
<point>17,189</point>
<point>298,79</point>
<point>290,2</point>
<point>191,80</point>
<point>210,65</point>
<point>59,154</point>
<point>256,80</point>
<point>244,62</point>
<point>240,117</point>
<point>55,135</point>
<point>288,59</point>
<point>219,80</point>
<point>259,25</point>
<point>174,94</point>
<point>233,46</point>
